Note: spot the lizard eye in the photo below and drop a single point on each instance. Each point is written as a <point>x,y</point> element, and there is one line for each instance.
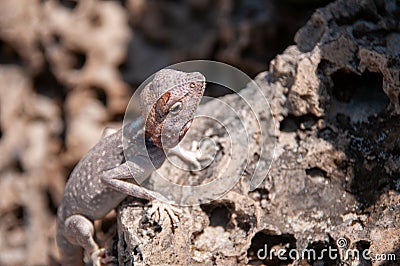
<point>192,84</point>
<point>176,108</point>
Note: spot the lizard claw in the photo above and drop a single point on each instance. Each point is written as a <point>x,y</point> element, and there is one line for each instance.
<point>159,209</point>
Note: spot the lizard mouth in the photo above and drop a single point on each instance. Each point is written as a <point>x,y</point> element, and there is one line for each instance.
<point>185,128</point>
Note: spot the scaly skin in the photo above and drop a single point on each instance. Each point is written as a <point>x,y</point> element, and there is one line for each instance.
<point>104,177</point>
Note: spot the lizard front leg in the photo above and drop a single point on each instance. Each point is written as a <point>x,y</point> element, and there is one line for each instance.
<point>199,156</point>
<point>78,231</point>
<point>114,178</point>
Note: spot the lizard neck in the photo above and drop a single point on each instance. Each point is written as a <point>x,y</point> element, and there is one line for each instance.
<point>157,155</point>
<point>134,131</point>
<point>135,143</point>
<point>134,127</point>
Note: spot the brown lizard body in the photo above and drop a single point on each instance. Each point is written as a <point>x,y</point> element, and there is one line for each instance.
<point>104,177</point>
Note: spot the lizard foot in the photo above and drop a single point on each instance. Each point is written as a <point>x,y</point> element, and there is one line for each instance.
<point>100,257</point>
<point>159,209</point>
<point>199,156</point>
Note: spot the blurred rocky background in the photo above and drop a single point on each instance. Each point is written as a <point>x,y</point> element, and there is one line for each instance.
<point>68,68</point>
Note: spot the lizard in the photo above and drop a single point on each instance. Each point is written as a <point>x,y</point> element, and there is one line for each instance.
<point>106,175</point>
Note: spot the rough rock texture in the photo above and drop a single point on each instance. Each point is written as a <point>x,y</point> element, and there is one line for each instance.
<point>245,34</point>
<point>65,71</point>
<point>60,83</point>
<point>335,180</point>
<point>83,45</point>
<point>28,177</point>
<point>86,45</point>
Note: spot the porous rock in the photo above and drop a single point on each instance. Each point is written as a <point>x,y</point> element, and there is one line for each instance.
<point>334,179</point>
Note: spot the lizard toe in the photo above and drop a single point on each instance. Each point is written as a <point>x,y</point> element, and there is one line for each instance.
<point>159,211</point>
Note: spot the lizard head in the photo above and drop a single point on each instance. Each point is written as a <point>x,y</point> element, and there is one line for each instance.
<point>168,105</point>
